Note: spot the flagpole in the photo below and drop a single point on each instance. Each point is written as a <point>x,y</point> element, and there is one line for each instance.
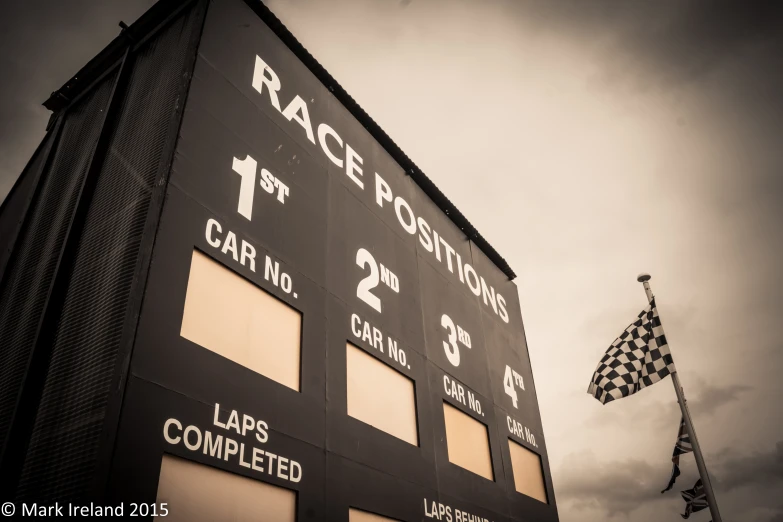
<point>705,478</point>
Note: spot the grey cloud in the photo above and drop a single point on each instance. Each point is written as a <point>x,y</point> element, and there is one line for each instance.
<point>710,398</point>
<point>618,488</point>
<point>700,35</point>
<point>682,40</point>
<point>763,469</point>
<point>726,51</point>
<point>706,400</point>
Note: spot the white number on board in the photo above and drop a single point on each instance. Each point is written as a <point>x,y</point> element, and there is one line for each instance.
<point>510,378</point>
<point>451,348</point>
<point>378,274</point>
<point>363,257</point>
<point>247,169</point>
<point>508,385</point>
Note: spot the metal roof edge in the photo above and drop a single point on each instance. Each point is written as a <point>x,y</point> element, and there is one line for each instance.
<point>146,24</point>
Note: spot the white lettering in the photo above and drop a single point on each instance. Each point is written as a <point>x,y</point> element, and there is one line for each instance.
<point>231,245</point>
<point>502,308</point>
<point>242,457</point>
<point>215,420</point>
<point>248,423</point>
<point>220,447</point>
<point>424,235</point>
<point>258,459</point>
<point>272,82</point>
<point>248,254</point>
<point>272,270</point>
<point>267,181</point>
<point>352,167</point>
<point>377,339</point>
<point>325,130</point>
<point>440,511</point>
<point>272,458</point>
<point>213,447</point>
<point>282,191</point>
<point>355,326</point>
<point>292,111</point>
<point>474,285</point>
<point>247,169</point>
<point>282,467</point>
<point>212,225</point>
<point>231,448</point>
<point>400,203</point>
<point>285,283</point>
<point>489,292</point>
<point>296,472</point>
<point>169,439</point>
<point>449,252</point>
<point>233,421</point>
<point>197,445</point>
<point>262,435</point>
<point>382,190</point>
<point>366,337</point>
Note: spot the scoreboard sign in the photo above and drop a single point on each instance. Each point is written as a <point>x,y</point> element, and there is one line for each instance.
<point>318,340</point>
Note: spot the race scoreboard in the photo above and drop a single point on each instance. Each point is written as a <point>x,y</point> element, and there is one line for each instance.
<point>318,339</point>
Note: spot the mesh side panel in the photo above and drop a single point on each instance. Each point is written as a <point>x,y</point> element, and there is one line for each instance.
<point>63,450</point>
<point>30,273</point>
<point>15,202</point>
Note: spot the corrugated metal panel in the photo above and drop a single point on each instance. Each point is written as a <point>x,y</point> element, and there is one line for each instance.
<point>63,450</point>
<point>30,273</point>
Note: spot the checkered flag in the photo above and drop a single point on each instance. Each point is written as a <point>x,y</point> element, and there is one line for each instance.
<point>638,358</point>
<point>682,446</point>
<point>695,499</point>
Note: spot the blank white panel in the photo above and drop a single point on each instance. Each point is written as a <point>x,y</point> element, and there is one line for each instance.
<point>528,473</point>
<point>467,441</point>
<point>380,396</point>
<point>198,493</point>
<point>355,515</point>
<point>229,315</point>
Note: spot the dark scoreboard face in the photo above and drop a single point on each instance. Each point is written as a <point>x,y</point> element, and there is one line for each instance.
<point>314,322</point>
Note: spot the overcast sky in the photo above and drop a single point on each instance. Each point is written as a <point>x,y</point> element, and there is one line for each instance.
<point>588,141</point>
